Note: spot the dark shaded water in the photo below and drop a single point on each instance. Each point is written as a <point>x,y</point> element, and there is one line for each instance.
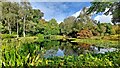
<point>50,48</point>
<point>59,48</point>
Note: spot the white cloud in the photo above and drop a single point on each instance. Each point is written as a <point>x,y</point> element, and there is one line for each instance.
<point>52,10</point>
<point>76,14</point>
<point>107,10</point>
<point>56,10</point>
<point>59,10</point>
<point>103,18</point>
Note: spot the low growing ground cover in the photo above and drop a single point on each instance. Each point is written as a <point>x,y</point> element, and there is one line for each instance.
<point>14,55</point>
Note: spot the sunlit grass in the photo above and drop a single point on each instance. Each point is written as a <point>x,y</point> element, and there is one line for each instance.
<point>100,42</point>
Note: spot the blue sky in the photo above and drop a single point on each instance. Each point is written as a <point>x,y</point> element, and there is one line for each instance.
<point>59,10</point>
<point>62,10</point>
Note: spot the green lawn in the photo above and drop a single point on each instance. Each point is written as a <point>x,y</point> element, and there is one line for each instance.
<point>101,43</point>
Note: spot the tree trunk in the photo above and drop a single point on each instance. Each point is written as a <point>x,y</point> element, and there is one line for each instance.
<point>10,30</point>
<point>17,30</point>
<point>9,27</point>
<point>24,27</point>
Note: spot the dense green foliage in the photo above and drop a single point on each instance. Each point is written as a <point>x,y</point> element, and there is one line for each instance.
<point>113,7</point>
<point>28,58</point>
<point>27,54</point>
<point>71,26</point>
<point>21,19</point>
<point>25,36</point>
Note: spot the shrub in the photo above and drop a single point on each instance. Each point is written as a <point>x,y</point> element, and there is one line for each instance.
<point>84,34</point>
<point>40,37</point>
<point>3,36</point>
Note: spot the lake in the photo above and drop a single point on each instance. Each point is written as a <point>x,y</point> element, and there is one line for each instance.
<point>49,48</point>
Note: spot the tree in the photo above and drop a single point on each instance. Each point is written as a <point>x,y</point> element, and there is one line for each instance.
<point>105,29</point>
<point>84,22</point>
<point>25,9</point>
<point>113,7</point>
<point>67,26</point>
<point>16,8</point>
<point>9,17</point>
<point>54,27</point>
<point>108,28</point>
<point>78,25</point>
<point>72,25</point>
<point>37,15</point>
<point>85,18</point>
<point>40,27</point>
<point>6,15</point>
<point>20,18</point>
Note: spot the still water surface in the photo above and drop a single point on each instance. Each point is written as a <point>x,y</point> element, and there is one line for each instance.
<point>50,49</point>
<point>60,48</point>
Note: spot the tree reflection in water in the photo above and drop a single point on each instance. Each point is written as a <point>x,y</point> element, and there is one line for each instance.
<point>68,48</point>
<point>50,48</point>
